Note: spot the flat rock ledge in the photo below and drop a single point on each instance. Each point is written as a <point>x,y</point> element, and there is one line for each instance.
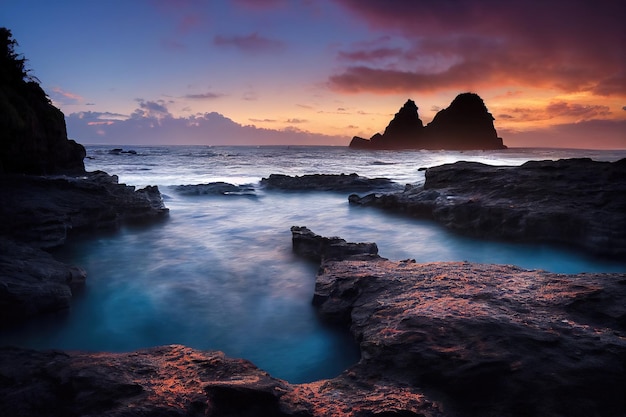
<point>327,182</point>
<point>576,202</point>
<point>438,339</point>
<point>216,188</point>
<point>42,212</point>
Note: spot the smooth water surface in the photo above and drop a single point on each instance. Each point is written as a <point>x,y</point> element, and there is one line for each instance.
<point>220,274</point>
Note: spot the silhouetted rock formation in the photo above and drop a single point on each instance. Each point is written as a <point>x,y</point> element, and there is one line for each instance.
<point>577,202</point>
<point>466,124</point>
<point>33,136</point>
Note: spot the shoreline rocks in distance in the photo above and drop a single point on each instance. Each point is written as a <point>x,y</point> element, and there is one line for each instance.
<point>575,202</point>
<point>465,125</point>
<point>326,182</point>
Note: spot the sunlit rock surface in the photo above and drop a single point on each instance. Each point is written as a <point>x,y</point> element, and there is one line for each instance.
<point>486,339</point>
<point>438,339</point>
<point>179,381</point>
<point>577,202</point>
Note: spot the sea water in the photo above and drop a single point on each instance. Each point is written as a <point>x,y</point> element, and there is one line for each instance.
<point>219,273</point>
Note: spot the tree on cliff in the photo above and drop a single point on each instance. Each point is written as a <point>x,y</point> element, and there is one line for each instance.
<point>33,137</point>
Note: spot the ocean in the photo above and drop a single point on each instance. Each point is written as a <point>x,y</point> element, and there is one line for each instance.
<point>219,273</point>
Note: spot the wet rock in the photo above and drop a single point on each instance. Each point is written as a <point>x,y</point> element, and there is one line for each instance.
<point>326,182</point>
<point>179,381</point>
<point>215,188</point>
<point>309,245</point>
<point>32,282</point>
<point>577,202</point>
<point>491,339</point>
<point>42,212</point>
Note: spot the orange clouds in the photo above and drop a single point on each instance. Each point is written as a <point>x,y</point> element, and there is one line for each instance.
<point>565,45</point>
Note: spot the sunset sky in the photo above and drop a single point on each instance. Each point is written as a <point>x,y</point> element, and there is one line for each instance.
<point>552,72</point>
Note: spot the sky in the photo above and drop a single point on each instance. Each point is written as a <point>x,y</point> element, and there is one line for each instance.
<point>301,72</point>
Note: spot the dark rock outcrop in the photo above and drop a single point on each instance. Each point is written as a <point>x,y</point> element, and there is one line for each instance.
<point>42,212</point>
<point>33,136</point>
<point>576,202</point>
<point>309,245</point>
<point>326,182</point>
<point>466,124</point>
<point>215,188</point>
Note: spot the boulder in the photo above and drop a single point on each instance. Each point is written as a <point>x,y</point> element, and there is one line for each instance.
<point>309,245</point>
<point>326,182</point>
<point>575,202</point>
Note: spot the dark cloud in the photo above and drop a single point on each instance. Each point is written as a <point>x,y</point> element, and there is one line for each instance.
<point>250,43</point>
<point>570,45</point>
<point>296,121</point>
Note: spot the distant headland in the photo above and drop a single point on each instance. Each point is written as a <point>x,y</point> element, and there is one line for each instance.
<point>466,124</point>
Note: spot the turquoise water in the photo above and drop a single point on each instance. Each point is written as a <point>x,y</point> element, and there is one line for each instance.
<point>219,274</point>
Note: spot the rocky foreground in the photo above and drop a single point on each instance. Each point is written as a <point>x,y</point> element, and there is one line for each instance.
<point>437,339</point>
<point>576,202</point>
<point>41,212</point>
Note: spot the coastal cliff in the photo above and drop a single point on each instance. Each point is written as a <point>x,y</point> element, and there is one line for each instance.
<point>46,196</point>
<point>466,124</point>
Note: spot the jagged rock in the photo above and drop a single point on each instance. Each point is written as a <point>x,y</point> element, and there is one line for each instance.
<point>465,124</point>
<point>307,244</point>
<point>577,202</point>
<point>326,182</point>
<point>222,188</point>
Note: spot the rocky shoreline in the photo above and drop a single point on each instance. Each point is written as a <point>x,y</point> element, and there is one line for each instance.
<point>436,339</point>
<point>574,202</point>
<point>42,212</point>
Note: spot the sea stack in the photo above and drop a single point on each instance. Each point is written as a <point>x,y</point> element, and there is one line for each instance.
<point>466,124</point>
